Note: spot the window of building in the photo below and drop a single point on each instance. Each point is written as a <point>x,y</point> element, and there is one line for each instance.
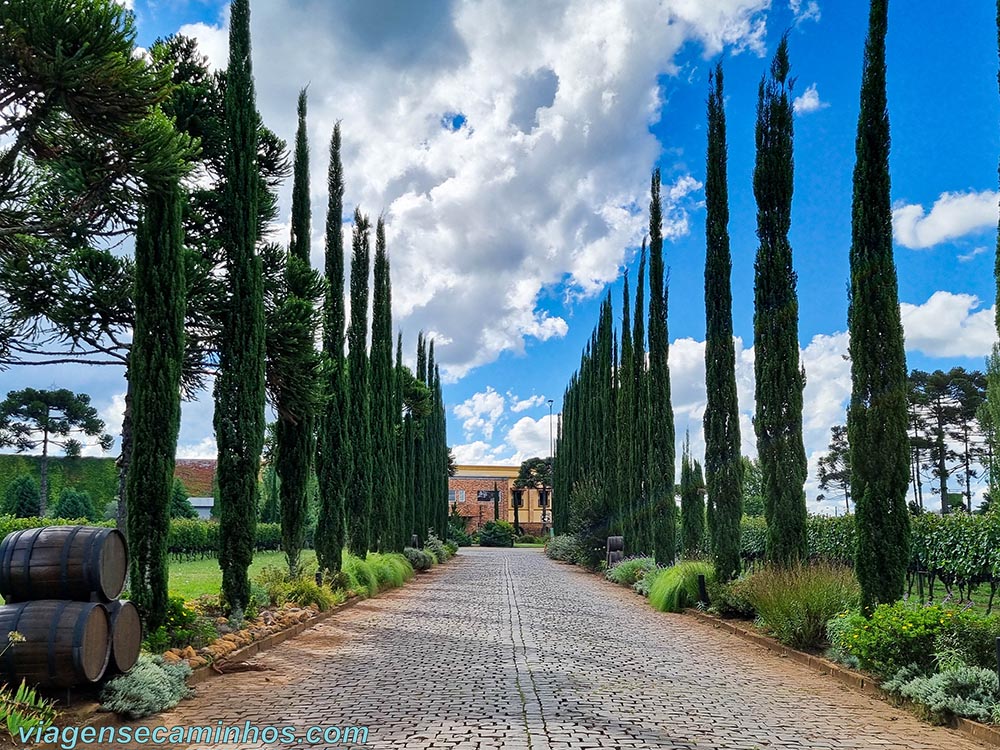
<point>456,496</point>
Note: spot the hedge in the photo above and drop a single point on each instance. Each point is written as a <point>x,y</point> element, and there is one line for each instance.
<point>95,475</point>
<point>958,548</point>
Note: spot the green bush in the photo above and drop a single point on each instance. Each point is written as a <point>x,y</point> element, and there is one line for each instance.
<point>645,583</point>
<point>421,560</point>
<point>360,576</point>
<point>496,534</point>
<point>151,686</point>
<point>676,588</point>
<point>24,711</point>
<point>452,548</point>
<point>391,570</point>
<point>629,571</point>
<point>305,591</point>
<point>437,548</point>
<point>22,498</point>
<point>727,600</point>
<point>74,504</point>
<point>529,539</point>
<point>794,604</point>
<point>958,691</point>
<point>460,537</point>
<point>565,547</point>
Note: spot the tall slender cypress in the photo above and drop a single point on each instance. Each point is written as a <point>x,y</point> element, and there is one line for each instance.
<point>779,378</point>
<point>333,449</point>
<point>239,387</point>
<point>692,504</point>
<point>155,372</point>
<point>877,414</point>
<point>403,521</point>
<point>661,413</point>
<point>359,497</point>
<point>723,461</point>
<point>383,377</point>
<point>627,465</point>
<point>641,535</point>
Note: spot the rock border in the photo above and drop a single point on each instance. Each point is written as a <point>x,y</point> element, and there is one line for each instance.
<point>855,680</point>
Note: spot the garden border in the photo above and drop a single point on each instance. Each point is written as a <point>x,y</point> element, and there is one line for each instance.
<point>854,680</point>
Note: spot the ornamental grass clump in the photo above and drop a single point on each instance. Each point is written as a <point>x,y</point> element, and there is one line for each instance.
<point>676,588</point>
<point>391,570</point>
<point>361,578</point>
<point>795,603</point>
<point>630,570</point>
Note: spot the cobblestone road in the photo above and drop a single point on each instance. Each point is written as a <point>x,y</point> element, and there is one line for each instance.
<point>507,649</point>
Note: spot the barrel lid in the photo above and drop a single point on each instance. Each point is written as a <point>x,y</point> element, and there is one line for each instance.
<point>113,564</point>
<point>93,642</point>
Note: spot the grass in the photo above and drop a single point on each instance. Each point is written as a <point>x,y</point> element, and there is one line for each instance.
<point>533,545</point>
<point>192,578</point>
<point>676,588</point>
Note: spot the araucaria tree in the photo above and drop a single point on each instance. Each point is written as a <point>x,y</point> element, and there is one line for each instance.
<point>660,469</point>
<point>333,451</point>
<point>358,505</point>
<point>239,387</point>
<point>155,369</point>
<point>779,378</point>
<point>293,362</point>
<point>877,413</point>
<point>723,461</point>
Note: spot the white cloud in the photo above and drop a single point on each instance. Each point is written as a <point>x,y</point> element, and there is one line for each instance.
<point>480,452</point>
<point>481,412</point>
<point>542,187</point>
<point>953,215</point>
<point>804,10</point>
<point>530,437</point>
<point>204,448</point>
<point>809,101</point>
<point>519,405</point>
<point>949,325</point>
<point>974,253</point>
<point>126,4</point>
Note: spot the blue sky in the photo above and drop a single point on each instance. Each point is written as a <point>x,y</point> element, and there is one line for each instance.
<point>510,144</point>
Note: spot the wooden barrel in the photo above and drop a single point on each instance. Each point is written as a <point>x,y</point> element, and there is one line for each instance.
<point>616,543</point>
<point>126,635</point>
<point>82,563</point>
<point>65,643</point>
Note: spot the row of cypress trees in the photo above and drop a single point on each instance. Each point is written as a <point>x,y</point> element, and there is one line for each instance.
<point>620,398</point>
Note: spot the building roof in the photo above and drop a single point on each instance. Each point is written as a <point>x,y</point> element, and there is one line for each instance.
<point>201,502</point>
<point>197,474</point>
<point>469,471</point>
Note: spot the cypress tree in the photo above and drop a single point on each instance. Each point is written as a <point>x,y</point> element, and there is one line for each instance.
<point>624,439</point>
<point>155,371</point>
<point>359,499</point>
<point>779,379</point>
<point>692,505</point>
<point>723,460</point>
<point>641,534</point>
<point>403,521</point>
<point>430,447</point>
<point>239,387</point>
<point>383,377</point>
<point>441,459</point>
<point>877,414</point>
<point>660,412</point>
<point>333,450</point>
<point>293,373</point>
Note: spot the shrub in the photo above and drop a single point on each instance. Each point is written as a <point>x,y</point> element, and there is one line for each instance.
<point>437,548</point>
<point>22,498</point>
<point>305,591</point>
<point>24,711</point>
<point>496,534</point>
<point>360,576</point>
<point>958,691</point>
<point>452,548</point>
<point>421,560</point>
<point>391,570</point>
<point>727,600</point>
<point>151,686</point>
<point>896,636</point>
<point>565,547</point>
<point>794,604</point>
<point>460,537</point>
<point>677,587</point>
<point>644,584</point>
<point>970,638</point>
<point>74,504</point>
<point>528,539</point>
<point>629,571</point>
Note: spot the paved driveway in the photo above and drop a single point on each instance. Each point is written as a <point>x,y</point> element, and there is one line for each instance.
<point>507,649</point>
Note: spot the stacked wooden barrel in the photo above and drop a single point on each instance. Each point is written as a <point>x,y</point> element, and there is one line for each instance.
<point>61,585</point>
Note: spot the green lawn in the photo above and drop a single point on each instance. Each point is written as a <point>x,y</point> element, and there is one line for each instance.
<point>536,545</point>
<point>192,578</point>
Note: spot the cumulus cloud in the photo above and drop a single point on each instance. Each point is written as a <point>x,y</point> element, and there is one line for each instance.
<point>949,325</point>
<point>481,412</point>
<point>953,215</point>
<point>519,405</point>
<point>482,453</point>
<point>530,437</point>
<point>809,101</point>
<point>804,10</point>
<point>538,188</point>
<point>204,448</point>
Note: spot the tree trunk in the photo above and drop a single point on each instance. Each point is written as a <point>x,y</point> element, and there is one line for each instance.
<point>942,469</point>
<point>43,470</point>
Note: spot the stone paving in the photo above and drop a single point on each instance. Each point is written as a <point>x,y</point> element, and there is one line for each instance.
<point>507,649</point>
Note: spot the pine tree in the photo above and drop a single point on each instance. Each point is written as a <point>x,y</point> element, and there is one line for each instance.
<point>723,461</point>
<point>779,379</point>
<point>22,498</point>
<point>359,498</point>
<point>293,371</point>
<point>661,413</point>
<point>333,450</point>
<point>877,416</point>
<point>383,377</point>
<point>155,371</point>
<point>239,387</point>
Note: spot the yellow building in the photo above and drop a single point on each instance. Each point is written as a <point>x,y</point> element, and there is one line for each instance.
<point>470,492</point>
